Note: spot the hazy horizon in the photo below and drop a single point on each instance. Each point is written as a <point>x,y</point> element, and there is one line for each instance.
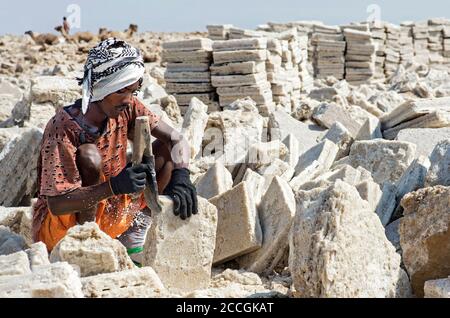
<point>185,16</point>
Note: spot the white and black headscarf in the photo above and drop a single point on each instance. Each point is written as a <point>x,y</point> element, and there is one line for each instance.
<point>111,66</point>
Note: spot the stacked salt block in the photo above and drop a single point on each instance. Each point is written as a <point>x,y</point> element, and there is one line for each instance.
<point>306,79</point>
<point>435,43</point>
<point>219,32</point>
<point>304,29</point>
<point>392,49</point>
<point>310,31</point>
<point>360,56</point>
<point>329,45</point>
<point>187,73</point>
<point>446,52</point>
<point>406,43</point>
<point>275,27</point>
<point>378,32</point>
<point>238,33</point>
<point>278,65</point>
<point>286,68</point>
<point>239,71</point>
<point>420,37</point>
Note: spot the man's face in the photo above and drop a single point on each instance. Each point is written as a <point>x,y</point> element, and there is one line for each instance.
<point>114,104</point>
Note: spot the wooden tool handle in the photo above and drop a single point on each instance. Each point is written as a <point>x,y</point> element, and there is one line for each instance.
<point>142,143</point>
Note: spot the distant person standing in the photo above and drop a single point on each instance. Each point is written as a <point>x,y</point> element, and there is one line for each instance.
<point>66,25</point>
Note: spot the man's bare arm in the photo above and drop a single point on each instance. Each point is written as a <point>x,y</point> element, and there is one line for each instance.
<point>180,148</point>
<point>79,200</point>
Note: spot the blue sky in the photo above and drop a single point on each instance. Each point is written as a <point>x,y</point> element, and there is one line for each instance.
<point>18,16</point>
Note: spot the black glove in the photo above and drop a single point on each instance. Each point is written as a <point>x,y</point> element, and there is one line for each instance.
<point>183,193</point>
<point>130,179</point>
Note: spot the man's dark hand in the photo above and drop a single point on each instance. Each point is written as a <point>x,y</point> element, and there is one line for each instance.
<point>183,193</point>
<point>130,179</point>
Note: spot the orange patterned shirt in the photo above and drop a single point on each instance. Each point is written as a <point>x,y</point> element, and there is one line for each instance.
<point>58,173</point>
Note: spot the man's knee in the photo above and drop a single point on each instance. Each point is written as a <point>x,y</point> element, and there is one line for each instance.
<point>89,160</point>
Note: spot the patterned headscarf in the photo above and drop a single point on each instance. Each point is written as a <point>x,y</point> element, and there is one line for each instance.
<point>111,65</point>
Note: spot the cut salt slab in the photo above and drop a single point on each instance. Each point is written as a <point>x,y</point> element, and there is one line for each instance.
<point>198,56</point>
<point>387,203</point>
<point>181,251</point>
<point>255,185</point>
<point>424,235</point>
<point>385,160</point>
<point>371,192</point>
<point>250,67</point>
<point>188,45</point>
<point>278,168</point>
<point>439,172</point>
<point>232,132</point>
<point>125,284</point>
<point>179,88</point>
<point>237,80</point>
<point>240,44</point>
<point>92,250</point>
<point>437,119</point>
<point>339,135</point>
<point>232,284</point>
<point>15,264</point>
<point>311,171</point>
<point>292,144</point>
<point>57,90</point>
<point>18,166</point>
<point>413,109</point>
<point>217,180</point>
<point>58,280</point>
<point>18,220</point>
<point>369,130</point>
<point>327,114</point>
<point>37,254</point>
<point>194,125</point>
<point>324,153</point>
<point>282,124</point>
<point>239,56</point>
<point>187,77</point>
<point>425,139</point>
<point>334,239</point>
<point>238,227</point>
<point>413,178</point>
<point>343,172</point>
<point>188,67</point>
<point>276,212</point>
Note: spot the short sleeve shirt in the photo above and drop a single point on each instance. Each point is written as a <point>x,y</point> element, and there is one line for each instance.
<point>57,169</point>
